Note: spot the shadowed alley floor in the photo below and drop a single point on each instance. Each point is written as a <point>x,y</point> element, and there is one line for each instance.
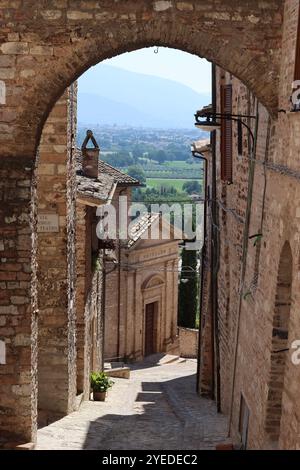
<point>157,408</point>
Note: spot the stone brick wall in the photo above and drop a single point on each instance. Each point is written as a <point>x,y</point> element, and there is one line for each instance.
<point>89,300</point>
<point>18,317</point>
<point>249,291</point>
<point>188,342</point>
<point>57,261</point>
<point>81,232</point>
<point>239,294</point>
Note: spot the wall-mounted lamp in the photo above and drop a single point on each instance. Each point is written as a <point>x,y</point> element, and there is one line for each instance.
<point>208,121</point>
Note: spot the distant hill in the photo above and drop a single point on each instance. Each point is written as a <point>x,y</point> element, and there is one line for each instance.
<point>109,95</point>
<point>94,109</point>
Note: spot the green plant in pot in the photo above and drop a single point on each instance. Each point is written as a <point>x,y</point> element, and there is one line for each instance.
<point>100,383</point>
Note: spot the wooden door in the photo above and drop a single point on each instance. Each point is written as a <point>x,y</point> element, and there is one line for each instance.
<point>149,329</point>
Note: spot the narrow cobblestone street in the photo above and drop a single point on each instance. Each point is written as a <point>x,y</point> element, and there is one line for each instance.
<point>157,408</point>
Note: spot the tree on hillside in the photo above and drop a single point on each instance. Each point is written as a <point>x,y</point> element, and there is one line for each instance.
<point>188,290</point>
<point>137,172</point>
<point>192,187</point>
<point>118,159</point>
<point>137,152</point>
<point>161,156</point>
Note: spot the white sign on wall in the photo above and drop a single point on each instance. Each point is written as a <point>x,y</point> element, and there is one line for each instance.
<point>2,352</point>
<point>2,92</point>
<point>48,223</point>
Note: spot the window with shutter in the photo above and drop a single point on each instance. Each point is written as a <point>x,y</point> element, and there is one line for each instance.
<point>226,134</point>
<point>297,58</point>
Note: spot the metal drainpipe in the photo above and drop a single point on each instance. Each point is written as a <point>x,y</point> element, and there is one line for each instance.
<point>203,255</point>
<point>244,259</point>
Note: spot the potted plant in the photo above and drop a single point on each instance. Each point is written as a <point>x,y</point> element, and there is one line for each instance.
<point>100,383</point>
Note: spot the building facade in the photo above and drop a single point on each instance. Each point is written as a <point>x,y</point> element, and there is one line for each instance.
<point>142,319</point>
<point>255,234</point>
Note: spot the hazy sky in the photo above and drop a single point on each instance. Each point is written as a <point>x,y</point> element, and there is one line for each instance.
<point>168,63</point>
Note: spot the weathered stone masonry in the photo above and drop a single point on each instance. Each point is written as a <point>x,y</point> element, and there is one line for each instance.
<point>56,260</point>
<point>18,318</point>
<point>258,310</point>
<point>53,43</point>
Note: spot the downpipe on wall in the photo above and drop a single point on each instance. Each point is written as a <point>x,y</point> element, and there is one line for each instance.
<point>244,259</point>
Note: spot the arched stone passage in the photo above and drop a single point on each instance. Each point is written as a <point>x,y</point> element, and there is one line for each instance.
<point>280,333</point>
<point>58,43</point>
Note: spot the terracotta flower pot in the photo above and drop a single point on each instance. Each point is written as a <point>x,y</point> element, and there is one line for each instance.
<point>99,396</point>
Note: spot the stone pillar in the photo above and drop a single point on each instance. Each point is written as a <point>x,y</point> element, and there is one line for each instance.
<point>56,263</point>
<point>18,308</point>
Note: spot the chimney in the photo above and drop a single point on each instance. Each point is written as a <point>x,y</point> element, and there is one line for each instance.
<point>90,156</point>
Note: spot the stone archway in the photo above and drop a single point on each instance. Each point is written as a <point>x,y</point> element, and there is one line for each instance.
<point>42,54</point>
<point>57,44</point>
<point>280,334</point>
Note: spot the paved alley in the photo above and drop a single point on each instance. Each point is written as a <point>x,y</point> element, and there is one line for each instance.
<point>157,408</point>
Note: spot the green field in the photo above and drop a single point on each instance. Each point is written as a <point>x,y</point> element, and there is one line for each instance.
<point>183,165</point>
<point>158,182</point>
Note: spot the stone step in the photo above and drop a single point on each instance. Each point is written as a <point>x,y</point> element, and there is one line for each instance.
<point>168,359</point>
<point>120,372</point>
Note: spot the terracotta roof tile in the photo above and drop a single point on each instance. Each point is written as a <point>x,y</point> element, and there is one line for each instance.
<point>95,188</point>
<point>119,176</point>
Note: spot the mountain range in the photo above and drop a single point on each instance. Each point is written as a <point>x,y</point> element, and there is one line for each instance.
<point>110,95</point>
